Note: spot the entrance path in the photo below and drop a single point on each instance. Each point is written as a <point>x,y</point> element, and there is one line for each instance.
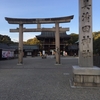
<point>41,79</point>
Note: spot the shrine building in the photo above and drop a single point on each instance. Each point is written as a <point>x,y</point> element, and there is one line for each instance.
<point>47,40</point>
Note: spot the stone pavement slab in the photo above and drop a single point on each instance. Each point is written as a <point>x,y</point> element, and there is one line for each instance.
<point>41,79</point>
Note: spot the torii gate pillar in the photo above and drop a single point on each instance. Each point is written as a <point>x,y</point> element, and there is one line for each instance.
<point>57,42</point>
<point>20,48</point>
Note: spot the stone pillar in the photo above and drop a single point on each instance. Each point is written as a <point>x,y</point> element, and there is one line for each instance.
<point>86,74</point>
<point>85,34</point>
<point>38,25</point>
<point>20,48</point>
<point>57,43</point>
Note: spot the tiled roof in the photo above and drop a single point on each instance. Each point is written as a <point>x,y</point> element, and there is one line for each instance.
<point>52,35</point>
<point>12,46</point>
<point>31,47</point>
<point>4,46</point>
<point>73,47</point>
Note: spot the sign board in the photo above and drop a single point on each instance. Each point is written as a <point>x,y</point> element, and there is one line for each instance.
<point>7,54</point>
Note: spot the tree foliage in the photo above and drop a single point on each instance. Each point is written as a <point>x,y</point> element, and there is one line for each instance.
<point>33,41</point>
<point>5,39</point>
<point>74,38</point>
<point>96,42</point>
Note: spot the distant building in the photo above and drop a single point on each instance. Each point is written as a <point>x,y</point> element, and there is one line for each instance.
<point>47,40</point>
<point>28,50</point>
<point>11,51</point>
<point>72,50</point>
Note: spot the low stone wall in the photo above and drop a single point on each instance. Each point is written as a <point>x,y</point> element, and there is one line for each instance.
<point>86,76</point>
<point>96,61</point>
<point>86,80</point>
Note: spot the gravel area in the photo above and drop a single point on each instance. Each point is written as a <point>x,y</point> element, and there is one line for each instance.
<point>41,79</point>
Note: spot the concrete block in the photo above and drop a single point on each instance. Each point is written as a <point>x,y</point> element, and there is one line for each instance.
<point>77,78</point>
<point>88,79</point>
<point>77,70</point>
<point>96,79</point>
<point>82,79</point>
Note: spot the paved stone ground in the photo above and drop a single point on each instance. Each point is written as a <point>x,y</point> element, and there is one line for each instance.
<point>41,79</point>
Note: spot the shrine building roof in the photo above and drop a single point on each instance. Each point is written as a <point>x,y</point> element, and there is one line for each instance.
<point>52,35</point>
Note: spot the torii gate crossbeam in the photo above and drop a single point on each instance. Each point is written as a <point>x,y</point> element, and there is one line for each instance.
<point>40,30</point>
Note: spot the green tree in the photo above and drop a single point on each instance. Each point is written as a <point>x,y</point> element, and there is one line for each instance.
<point>73,39</point>
<point>96,42</point>
<point>33,41</point>
<point>5,39</point>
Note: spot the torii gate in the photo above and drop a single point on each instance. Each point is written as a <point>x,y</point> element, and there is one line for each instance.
<point>39,21</point>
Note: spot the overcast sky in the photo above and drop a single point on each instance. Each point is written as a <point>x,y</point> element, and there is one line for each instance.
<point>43,9</point>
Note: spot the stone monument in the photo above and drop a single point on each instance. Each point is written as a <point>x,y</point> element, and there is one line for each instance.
<point>85,74</point>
